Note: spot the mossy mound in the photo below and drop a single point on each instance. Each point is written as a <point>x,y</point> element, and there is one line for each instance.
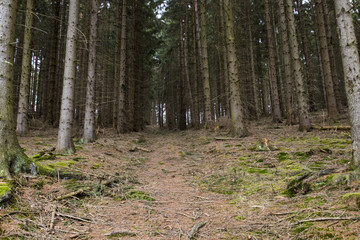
<point>5,192</point>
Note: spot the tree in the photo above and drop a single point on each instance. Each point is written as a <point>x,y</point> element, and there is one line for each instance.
<point>12,157</point>
<point>275,100</point>
<point>89,124</point>
<point>121,124</point>
<point>65,143</point>
<point>236,111</point>
<point>304,119</point>
<point>23,109</point>
<point>351,66</point>
<point>325,61</point>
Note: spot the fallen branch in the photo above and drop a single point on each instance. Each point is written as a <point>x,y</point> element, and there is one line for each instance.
<point>75,218</point>
<point>12,213</point>
<point>225,138</point>
<point>53,213</point>
<point>77,192</point>
<point>121,232</point>
<point>327,219</point>
<point>332,128</point>
<point>139,149</point>
<point>194,231</point>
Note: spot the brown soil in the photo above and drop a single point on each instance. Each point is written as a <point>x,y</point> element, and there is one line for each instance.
<point>167,187</point>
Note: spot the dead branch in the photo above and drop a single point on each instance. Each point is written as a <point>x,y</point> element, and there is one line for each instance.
<point>194,231</point>
<point>340,128</point>
<point>121,232</point>
<point>226,138</point>
<point>53,213</point>
<point>77,192</point>
<point>74,217</point>
<point>327,219</point>
<point>134,149</point>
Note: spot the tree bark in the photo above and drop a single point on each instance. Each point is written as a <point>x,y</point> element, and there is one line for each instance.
<point>65,143</point>
<point>23,109</point>
<point>324,51</point>
<point>287,62</point>
<point>12,157</point>
<point>237,118</point>
<point>275,100</point>
<point>89,122</point>
<point>304,120</point>
<point>351,65</point>
<point>121,119</point>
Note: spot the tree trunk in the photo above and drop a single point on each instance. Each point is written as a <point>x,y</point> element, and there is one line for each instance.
<point>65,143</point>
<point>304,120</point>
<point>23,109</point>
<point>12,157</point>
<point>89,123</point>
<point>351,65</point>
<point>324,51</point>
<point>287,62</point>
<point>275,100</point>
<point>237,119</point>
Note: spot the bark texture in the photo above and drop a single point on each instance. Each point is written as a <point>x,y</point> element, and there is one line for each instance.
<point>304,120</point>
<point>237,118</point>
<point>275,100</point>
<point>12,157</point>
<point>325,61</point>
<point>22,119</point>
<point>65,143</point>
<point>89,124</point>
<point>121,125</point>
<point>351,65</point>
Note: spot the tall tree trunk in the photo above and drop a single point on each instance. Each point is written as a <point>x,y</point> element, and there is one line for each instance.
<point>224,59</point>
<point>186,66</point>
<point>275,100</point>
<point>196,83</point>
<point>287,61</point>
<point>304,120</point>
<point>12,157</point>
<point>65,143</point>
<point>237,118</point>
<point>121,124</point>
<point>201,39</point>
<point>351,65</point>
<point>325,61</point>
<point>89,123</point>
<point>252,66</point>
<point>23,109</point>
<point>334,72</point>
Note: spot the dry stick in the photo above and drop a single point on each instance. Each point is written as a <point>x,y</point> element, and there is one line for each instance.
<point>327,219</point>
<point>225,139</point>
<point>53,213</point>
<point>72,194</point>
<point>75,217</point>
<point>195,229</point>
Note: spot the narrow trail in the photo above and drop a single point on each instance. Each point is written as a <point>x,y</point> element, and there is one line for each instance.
<point>170,177</point>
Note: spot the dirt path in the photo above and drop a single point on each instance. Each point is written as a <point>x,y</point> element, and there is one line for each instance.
<point>169,176</point>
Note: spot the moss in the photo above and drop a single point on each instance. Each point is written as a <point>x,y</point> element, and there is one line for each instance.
<point>4,188</point>
<point>138,195</point>
<point>281,156</point>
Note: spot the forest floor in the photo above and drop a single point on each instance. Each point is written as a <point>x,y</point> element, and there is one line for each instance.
<point>190,184</point>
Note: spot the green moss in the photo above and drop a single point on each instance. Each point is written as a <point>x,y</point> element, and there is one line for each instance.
<point>4,188</point>
<point>138,195</point>
<point>281,156</point>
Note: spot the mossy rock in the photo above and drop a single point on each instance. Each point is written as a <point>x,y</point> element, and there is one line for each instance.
<point>5,192</point>
<point>60,169</point>
<point>355,196</point>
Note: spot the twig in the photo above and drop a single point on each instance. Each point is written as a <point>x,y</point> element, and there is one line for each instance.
<point>53,213</point>
<point>121,232</point>
<point>73,193</point>
<point>225,139</point>
<point>327,219</point>
<point>75,218</point>
<point>12,213</point>
<point>195,229</point>
<point>183,214</point>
